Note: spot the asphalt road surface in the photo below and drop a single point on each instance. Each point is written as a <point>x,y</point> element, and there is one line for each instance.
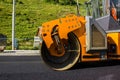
<point>33,68</point>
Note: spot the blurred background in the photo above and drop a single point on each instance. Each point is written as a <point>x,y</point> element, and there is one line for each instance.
<point>29,15</point>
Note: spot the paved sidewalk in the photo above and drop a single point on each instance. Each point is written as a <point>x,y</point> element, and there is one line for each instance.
<point>20,53</point>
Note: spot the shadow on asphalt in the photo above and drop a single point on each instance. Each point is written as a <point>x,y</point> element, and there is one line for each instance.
<point>95,64</point>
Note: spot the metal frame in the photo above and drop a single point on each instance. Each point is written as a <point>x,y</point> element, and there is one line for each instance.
<point>89,47</point>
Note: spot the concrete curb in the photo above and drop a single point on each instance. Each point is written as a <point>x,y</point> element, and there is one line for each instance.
<point>20,53</point>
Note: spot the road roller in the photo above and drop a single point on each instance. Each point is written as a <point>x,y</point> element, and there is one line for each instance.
<point>74,38</point>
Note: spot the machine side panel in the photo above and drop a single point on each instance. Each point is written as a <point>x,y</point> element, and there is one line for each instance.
<point>64,26</point>
<point>113,45</point>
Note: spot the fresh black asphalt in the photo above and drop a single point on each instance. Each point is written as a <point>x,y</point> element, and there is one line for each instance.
<point>33,68</point>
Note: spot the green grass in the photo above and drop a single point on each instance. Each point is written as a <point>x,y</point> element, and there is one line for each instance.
<point>30,14</point>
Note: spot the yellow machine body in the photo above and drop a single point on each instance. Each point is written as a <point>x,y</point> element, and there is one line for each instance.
<point>114,39</point>
<point>71,39</point>
<point>75,24</point>
<point>65,25</point>
<point>70,23</point>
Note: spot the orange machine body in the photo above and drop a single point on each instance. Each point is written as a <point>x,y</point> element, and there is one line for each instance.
<point>70,23</point>
<point>73,39</point>
<point>114,39</point>
<point>76,24</point>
